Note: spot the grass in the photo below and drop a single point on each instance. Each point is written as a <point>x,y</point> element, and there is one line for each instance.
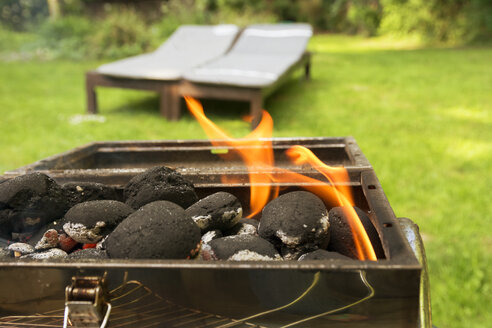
<point>422,117</point>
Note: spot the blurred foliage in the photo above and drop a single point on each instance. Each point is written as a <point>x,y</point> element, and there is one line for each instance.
<point>346,16</point>
<point>65,37</point>
<point>122,33</point>
<point>176,12</point>
<point>241,13</point>
<point>101,29</point>
<point>451,21</point>
<point>21,15</point>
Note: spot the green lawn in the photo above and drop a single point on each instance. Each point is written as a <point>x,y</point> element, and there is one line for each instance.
<point>422,117</point>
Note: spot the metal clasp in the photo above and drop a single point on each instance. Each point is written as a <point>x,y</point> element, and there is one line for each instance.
<point>86,303</point>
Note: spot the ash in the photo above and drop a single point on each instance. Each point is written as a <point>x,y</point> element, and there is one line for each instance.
<point>82,234</point>
<point>53,253</point>
<point>202,221</point>
<point>247,255</point>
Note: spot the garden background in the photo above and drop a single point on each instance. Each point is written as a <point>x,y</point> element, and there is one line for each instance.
<point>411,80</point>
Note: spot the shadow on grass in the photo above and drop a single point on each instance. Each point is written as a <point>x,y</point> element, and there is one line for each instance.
<point>145,105</point>
<point>149,105</point>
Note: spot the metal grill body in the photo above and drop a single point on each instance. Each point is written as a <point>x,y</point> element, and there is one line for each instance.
<point>335,293</point>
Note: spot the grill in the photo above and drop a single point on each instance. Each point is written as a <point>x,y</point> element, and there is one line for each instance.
<point>391,292</point>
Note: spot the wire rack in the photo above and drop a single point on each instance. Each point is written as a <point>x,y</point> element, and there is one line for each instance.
<point>135,305</point>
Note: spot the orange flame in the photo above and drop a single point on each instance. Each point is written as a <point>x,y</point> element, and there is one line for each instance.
<point>337,192</point>
<point>255,151</point>
<point>257,154</point>
<point>337,176</point>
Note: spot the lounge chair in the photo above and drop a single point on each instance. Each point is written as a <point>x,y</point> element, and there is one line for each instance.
<point>189,46</point>
<point>261,59</point>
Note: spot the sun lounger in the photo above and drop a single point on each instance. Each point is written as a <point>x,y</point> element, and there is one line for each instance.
<point>190,46</point>
<point>196,61</point>
<point>260,60</point>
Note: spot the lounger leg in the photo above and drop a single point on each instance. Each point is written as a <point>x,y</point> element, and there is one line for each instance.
<point>169,106</point>
<point>307,69</point>
<point>256,107</point>
<point>164,102</point>
<point>174,103</point>
<point>91,94</point>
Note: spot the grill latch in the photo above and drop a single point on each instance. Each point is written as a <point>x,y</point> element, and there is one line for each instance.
<point>86,303</point>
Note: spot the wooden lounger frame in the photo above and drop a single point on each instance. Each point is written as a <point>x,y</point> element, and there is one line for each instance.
<point>171,91</point>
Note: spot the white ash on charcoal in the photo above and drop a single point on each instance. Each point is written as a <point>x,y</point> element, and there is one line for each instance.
<point>28,202</point>
<point>101,244</point>
<point>252,222</point>
<point>321,254</point>
<point>50,254</point>
<point>79,192</point>
<point>159,230</point>
<point>89,222</point>
<point>220,210</point>
<point>289,254</point>
<point>242,229</point>
<point>297,220</point>
<point>159,183</point>
<point>89,253</point>
<point>211,235</point>
<point>342,240</point>
<point>49,240</point>
<point>18,249</point>
<point>239,248</point>
<point>38,235</point>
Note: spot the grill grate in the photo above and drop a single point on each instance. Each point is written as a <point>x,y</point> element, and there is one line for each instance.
<point>134,304</point>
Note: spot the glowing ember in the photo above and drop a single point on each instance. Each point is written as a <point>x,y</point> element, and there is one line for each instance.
<point>256,151</point>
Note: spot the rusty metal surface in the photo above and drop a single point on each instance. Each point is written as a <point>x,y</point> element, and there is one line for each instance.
<point>116,162</point>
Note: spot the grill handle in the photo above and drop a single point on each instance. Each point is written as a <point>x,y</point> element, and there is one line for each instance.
<point>86,303</point>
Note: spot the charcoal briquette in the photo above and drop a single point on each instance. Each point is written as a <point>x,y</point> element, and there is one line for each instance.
<point>5,253</point>
<point>159,183</point>
<point>55,225</point>
<point>321,254</point>
<point>298,220</point>
<point>240,248</point>
<point>102,243</point>
<point>242,229</point>
<point>253,222</point>
<point>211,235</point>
<point>342,240</point>
<point>21,248</point>
<point>49,240</point>
<point>89,222</point>
<point>158,230</point>
<point>89,253</point>
<point>52,253</point>
<point>290,254</point>
<point>28,202</point>
<point>220,210</point>
<point>79,192</point>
